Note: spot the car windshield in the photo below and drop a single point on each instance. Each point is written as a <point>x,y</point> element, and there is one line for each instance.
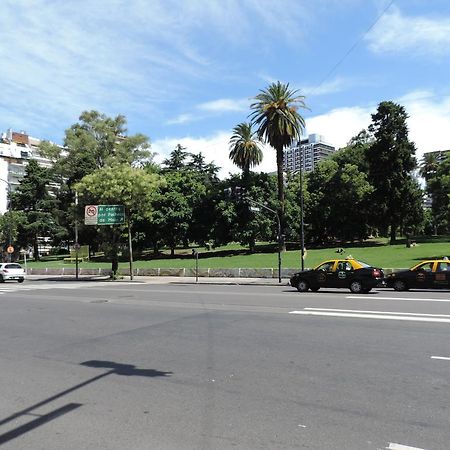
<point>13,266</point>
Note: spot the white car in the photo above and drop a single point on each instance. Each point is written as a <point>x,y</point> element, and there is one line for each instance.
<point>11,271</point>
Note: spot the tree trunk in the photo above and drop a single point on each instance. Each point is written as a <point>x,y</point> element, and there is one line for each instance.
<point>36,248</point>
<point>392,234</point>
<point>172,251</point>
<point>280,181</point>
<point>114,256</point>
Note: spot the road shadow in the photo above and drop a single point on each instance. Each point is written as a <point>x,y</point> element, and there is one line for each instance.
<point>125,369</point>
<point>113,369</point>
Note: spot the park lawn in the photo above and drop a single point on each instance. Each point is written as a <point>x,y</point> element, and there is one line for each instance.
<point>386,256</point>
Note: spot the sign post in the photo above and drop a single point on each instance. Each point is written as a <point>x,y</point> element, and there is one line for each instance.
<point>109,215</point>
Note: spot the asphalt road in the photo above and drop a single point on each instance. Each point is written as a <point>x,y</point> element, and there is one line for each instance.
<point>101,365</point>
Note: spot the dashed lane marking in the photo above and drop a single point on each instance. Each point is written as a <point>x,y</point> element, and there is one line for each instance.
<point>403,299</point>
<point>380,315</point>
<point>445,358</point>
<point>394,446</point>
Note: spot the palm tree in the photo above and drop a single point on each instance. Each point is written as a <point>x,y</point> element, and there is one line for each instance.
<point>245,150</point>
<point>429,165</point>
<point>279,124</point>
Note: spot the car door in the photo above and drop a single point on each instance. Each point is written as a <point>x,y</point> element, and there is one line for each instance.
<point>442,274</point>
<point>325,275</point>
<point>344,273</point>
<point>423,276</point>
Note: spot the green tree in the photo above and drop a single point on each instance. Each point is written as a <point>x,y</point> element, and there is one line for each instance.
<point>279,124</point>
<point>338,200</point>
<point>391,164</point>
<point>121,184</point>
<point>177,159</point>
<point>39,207</point>
<point>429,165</point>
<point>174,206</point>
<point>96,141</point>
<point>10,224</point>
<point>438,187</point>
<point>245,148</point>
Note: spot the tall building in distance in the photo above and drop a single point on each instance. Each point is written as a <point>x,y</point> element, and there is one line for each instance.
<point>306,153</point>
<point>16,149</point>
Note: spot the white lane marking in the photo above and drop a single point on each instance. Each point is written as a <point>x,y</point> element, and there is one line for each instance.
<point>445,358</point>
<point>392,313</point>
<point>394,446</point>
<point>403,299</point>
<point>371,316</point>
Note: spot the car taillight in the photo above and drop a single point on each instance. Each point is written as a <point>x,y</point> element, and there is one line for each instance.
<point>5,270</point>
<point>376,273</point>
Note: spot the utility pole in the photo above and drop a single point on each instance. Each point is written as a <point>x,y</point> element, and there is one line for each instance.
<point>77,245</point>
<point>130,245</point>
<point>279,235</point>
<point>302,224</point>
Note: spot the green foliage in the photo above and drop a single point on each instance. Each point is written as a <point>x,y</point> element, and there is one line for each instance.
<point>122,184</point>
<point>279,124</point>
<point>38,206</point>
<point>245,148</point>
<point>98,141</point>
<point>10,223</point>
<point>438,187</point>
<point>391,163</point>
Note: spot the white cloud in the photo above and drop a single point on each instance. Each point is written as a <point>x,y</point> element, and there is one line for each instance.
<point>339,125</point>
<point>215,148</point>
<point>428,124</point>
<point>225,105</point>
<point>396,32</point>
<point>182,118</point>
<point>329,87</point>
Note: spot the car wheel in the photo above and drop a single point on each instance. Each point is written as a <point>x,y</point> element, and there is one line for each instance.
<point>302,286</point>
<point>2,280</point>
<point>400,285</point>
<point>315,288</point>
<point>20,280</point>
<point>356,287</point>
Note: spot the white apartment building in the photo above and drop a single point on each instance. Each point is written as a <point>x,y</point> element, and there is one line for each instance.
<point>16,149</point>
<point>306,153</point>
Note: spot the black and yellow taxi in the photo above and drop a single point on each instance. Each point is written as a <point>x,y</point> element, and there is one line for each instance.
<point>428,274</point>
<point>348,273</point>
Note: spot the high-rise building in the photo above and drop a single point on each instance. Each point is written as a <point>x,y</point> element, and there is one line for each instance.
<point>306,153</point>
<point>16,149</point>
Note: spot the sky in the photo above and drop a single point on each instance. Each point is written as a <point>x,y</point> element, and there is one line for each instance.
<point>185,72</point>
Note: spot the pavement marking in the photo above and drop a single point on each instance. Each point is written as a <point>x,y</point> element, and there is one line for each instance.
<point>370,315</point>
<point>407,299</point>
<point>377,312</point>
<point>394,446</point>
<point>445,358</point>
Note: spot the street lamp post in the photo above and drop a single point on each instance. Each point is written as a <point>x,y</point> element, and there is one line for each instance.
<point>278,234</point>
<point>302,224</point>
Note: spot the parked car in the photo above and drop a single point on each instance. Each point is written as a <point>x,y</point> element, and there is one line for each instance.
<point>348,273</point>
<point>428,274</point>
<point>11,271</point>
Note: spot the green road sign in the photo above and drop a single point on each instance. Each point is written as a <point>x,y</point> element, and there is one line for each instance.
<point>104,215</point>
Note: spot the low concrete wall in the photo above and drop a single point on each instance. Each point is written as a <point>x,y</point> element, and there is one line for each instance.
<point>177,272</point>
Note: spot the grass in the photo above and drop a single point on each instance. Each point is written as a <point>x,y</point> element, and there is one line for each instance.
<point>233,256</point>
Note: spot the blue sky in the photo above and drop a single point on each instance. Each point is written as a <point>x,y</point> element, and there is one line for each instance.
<point>185,71</point>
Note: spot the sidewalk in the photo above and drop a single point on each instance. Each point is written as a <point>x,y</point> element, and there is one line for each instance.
<point>166,280</point>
